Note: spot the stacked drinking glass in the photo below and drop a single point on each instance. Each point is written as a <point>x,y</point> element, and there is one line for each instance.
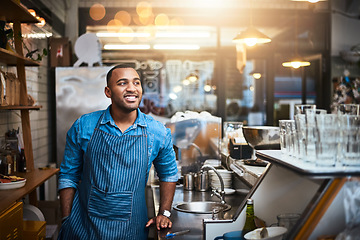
<point>321,138</point>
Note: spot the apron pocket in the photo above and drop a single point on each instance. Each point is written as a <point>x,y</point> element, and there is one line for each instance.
<point>110,205</point>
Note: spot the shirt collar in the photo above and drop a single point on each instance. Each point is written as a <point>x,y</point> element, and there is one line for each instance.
<point>140,120</point>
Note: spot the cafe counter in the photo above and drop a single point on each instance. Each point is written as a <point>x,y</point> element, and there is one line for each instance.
<point>189,221</point>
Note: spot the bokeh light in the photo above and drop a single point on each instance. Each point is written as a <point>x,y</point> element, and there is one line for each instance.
<point>32,12</point>
<point>147,29</point>
<point>147,20</point>
<point>41,23</point>
<point>176,22</point>
<point>144,9</point>
<point>114,23</point>
<point>97,11</point>
<point>162,20</point>
<point>136,20</point>
<point>124,17</point>
<point>126,31</point>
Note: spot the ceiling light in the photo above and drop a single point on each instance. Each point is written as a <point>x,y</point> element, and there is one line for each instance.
<point>176,47</point>
<point>123,34</point>
<point>251,36</point>
<point>207,88</point>
<point>310,1</point>
<point>177,89</point>
<point>173,96</point>
<point>186,82</point>
<point>297,61</point>
<point>126,46</point>
<point>255,74</point>
<point>182,34</point>
<point>192,78</point>
<point>37,35</point>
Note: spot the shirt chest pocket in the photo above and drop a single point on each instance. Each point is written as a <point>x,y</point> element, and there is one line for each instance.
<point>110,205</point>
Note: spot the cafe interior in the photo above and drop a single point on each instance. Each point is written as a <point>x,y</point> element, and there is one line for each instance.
<point>227,77</point>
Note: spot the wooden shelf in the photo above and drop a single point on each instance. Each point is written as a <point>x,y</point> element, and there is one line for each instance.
<point>16,12</point>
<point>33,180</point>
<point>12,59</point>
<point>13,11</point>
<point>37,107</point>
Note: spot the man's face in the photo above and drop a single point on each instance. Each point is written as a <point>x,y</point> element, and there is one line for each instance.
<point>124,89</point>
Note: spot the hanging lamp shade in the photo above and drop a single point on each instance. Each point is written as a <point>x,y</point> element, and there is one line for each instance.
<point>256,74</point>
<point>296,63</point>
<point>251,36</point>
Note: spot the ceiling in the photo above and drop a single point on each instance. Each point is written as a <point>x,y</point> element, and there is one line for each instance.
<point>220,19</point>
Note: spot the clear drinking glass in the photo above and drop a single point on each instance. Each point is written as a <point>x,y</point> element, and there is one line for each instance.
<point>310,133</point>
<point>232,130</point>
<point>287,129</point>
<point>327,136</point>
<point>350,140</point>
<point>300,108</point>
<point>288,220</point>
<point>300,135</point>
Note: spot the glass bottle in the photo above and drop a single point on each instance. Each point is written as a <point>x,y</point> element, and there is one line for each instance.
<point>250,219</point>
<point>22,162</point>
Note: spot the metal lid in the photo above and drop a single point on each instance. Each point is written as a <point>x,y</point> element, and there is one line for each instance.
<point>250,201</point>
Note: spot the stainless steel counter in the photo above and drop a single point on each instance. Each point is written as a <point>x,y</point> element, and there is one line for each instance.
<point>193,222</point>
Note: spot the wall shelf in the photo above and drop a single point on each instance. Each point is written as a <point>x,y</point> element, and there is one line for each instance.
<point>12,59</point>
<point>13,11</point>
<point>37,107</point>
<point>33,180</point>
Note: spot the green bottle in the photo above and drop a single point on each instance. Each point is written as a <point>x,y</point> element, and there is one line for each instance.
<point>250,220</point>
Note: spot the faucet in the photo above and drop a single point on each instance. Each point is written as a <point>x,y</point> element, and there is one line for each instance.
<point>215,192</point>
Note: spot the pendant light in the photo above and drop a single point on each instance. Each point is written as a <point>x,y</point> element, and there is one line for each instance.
<point>251,36</point>
<point>297,61</point>
<point>255,74</point>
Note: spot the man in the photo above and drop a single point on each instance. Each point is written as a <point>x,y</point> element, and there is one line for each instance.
<point>107,159</point>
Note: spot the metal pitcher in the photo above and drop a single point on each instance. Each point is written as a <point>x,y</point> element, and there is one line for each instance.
<point>189,181</point>
<point>201,181</point>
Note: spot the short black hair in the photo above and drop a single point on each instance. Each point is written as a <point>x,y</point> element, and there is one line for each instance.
<point>108,75</point>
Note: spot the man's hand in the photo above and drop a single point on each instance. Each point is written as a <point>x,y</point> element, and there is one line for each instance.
<point>167,190</point>
<point>160,221</point>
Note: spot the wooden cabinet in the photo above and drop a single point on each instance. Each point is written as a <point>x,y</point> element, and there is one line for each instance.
<point>11,222</point>
<point>34,230</point>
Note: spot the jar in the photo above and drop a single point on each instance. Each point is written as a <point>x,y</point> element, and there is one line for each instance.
<point>6,163</point>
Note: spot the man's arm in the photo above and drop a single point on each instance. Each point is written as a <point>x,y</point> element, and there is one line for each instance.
<point>66,200</point>
<point>167,190</point>
<point>70,169</point>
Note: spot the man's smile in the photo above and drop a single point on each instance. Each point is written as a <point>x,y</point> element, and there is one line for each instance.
<point>131,98</point>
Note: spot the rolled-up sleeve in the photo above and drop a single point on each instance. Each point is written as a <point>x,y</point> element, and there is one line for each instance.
<point>71,166</point>
<point>165,162</point>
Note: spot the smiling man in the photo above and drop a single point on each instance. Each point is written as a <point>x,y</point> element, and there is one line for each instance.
<point>108,155</point>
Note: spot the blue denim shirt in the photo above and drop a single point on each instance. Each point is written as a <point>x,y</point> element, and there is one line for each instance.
<point>160,146</point>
